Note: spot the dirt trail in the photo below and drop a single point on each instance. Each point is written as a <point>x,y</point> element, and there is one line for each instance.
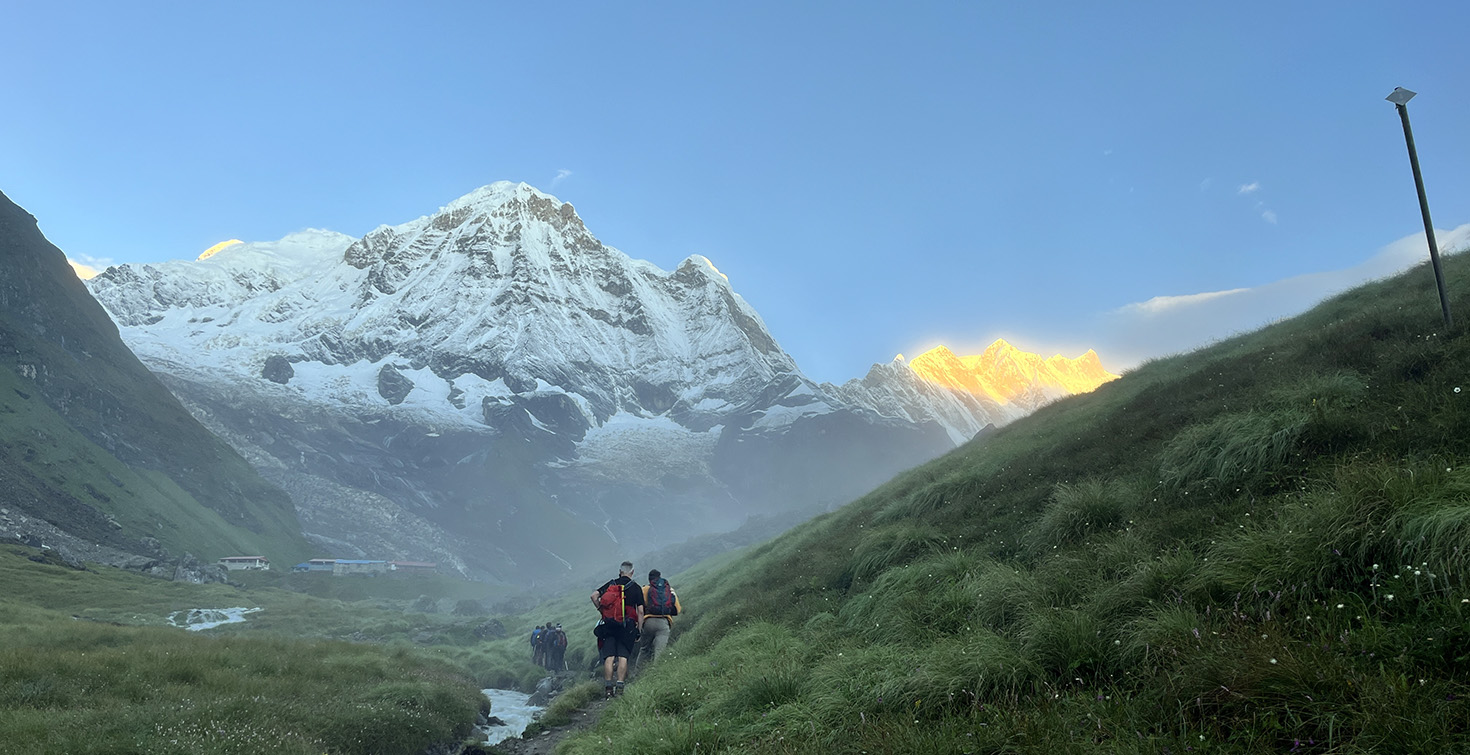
<point>545,743</point>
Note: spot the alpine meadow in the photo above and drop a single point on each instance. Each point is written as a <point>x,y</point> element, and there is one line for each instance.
<point>1260,546</point>
<point>760,378</point>
<point>1257,547</point>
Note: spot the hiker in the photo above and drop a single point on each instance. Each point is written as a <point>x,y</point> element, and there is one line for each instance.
<point>536,649</point>
<point>660,606</point>
<point>620,603</point>
<point>546,638</point>
<point>558,650</point>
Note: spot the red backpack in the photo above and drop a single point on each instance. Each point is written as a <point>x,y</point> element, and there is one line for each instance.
<point>610,604</point>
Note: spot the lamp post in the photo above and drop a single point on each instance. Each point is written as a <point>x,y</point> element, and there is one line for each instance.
<point>1400,98</point>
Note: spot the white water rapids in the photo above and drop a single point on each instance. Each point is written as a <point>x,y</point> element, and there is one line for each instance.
<point>514,709</point>
<point>196,619</point>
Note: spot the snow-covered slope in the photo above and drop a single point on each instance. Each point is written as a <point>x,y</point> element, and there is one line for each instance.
<point>493,387</point>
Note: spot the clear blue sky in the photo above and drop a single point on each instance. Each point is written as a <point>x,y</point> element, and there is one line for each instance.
<point>874,178</point>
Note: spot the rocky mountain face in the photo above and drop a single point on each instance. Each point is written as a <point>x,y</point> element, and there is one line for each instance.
<point>493,388</point>
<point>97,458</point>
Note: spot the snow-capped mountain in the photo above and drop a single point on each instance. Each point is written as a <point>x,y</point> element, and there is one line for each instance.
<point>492,387</point>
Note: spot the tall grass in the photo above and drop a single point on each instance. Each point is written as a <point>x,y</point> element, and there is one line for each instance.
<point>1258,547</point>
<point>71,686</point>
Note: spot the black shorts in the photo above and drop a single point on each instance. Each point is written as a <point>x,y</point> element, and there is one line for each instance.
<point>617,644</point>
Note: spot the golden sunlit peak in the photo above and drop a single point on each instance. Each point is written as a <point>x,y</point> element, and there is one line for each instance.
<point>85,272</point>
<point>1005,373</point>
<point>210,252</point>
<point>938,352</point>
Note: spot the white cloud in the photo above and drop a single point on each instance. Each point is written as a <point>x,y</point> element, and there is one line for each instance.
<point>1250,187</point>
<point>1270,216</point>
<point>1205,184</point>
<point>1167,325</point>
<point>1161,304</point>
<point>560,175</point>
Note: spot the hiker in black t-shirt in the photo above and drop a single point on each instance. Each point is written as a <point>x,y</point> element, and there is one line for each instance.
<point>620,602</point>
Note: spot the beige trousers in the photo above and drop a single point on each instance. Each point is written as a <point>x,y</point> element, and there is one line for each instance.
<point>656,634</point>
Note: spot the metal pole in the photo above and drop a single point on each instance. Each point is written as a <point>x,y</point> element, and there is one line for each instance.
<point>1444,300</point>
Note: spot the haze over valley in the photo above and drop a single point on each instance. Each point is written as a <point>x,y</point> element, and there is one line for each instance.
<point>492,388</point>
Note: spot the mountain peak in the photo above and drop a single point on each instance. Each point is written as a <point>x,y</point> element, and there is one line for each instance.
<point>495,195</point>
<point>1007,374</point>
<point>938,353</point>
<point>506,201</point>
<point>1001,346</point>
<point>702,264</point>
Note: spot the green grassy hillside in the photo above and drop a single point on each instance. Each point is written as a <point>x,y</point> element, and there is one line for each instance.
<point>86,491</point>
<point>93,443</point>
<point>1263,546</point>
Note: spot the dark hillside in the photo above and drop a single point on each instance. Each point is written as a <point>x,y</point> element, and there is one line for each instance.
<point>1262,546</point>
<point>91,442</point>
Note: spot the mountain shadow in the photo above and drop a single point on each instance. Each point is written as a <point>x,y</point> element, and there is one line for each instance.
<point>94,451</point>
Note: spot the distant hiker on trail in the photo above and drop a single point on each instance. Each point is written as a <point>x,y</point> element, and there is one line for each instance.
<point>620,603</point>
<point>536,646</point>
<point>558,650</point>
<point>660,606</point>
<point>547,638</point>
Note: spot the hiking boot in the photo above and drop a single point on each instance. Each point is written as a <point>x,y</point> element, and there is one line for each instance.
<point>607,692</point>
<point>618,690</point>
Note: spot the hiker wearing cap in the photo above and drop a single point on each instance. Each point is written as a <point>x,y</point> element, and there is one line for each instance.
<point>620,603</point>
<point>660,606</point>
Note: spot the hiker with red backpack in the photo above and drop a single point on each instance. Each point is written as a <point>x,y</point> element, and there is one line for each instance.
<point>620,603</point>
<point>660,606</point>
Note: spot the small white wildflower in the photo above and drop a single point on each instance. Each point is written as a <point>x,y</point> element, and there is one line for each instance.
<point>1390,596</point>
<point>1339,605</point>
<point>1273,661</point>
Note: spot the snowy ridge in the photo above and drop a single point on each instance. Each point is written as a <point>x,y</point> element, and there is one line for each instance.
<point>504,283</point>
<point>495,370</point>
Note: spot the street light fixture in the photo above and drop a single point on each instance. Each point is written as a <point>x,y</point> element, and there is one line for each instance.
<point>1400,98</point>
